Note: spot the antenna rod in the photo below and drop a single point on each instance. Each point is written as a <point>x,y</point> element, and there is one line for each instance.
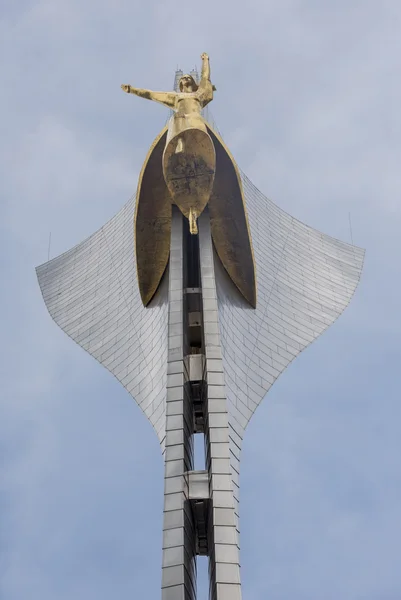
<point>350,228</point>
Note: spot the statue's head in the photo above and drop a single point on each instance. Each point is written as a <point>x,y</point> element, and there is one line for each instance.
<point>187,84</point>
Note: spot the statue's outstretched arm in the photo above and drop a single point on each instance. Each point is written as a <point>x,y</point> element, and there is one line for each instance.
<point>206,88</point>
<point>205,74</point>
<point>166,98</point>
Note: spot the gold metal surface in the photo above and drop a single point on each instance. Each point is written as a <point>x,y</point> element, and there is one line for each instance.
<point>229,222</point>
<point>190,166</point>
<point>152,221</point>
<point>189,159</point>
<point>193,228</point>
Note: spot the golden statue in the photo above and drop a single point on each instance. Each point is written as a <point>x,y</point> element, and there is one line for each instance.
<point>189,165</point>
<point>189,158</point>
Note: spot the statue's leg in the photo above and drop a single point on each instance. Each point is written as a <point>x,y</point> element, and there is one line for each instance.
<point>180,146</point>
<point>193,228</point>
<point>189,164</point>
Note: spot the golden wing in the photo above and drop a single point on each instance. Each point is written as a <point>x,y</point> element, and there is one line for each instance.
<point>228,219</point>
<point>152,221</point>
<point>229,222</point>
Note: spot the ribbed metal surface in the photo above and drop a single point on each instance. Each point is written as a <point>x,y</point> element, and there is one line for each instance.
<point>91,292</point>
<point>305,279</point>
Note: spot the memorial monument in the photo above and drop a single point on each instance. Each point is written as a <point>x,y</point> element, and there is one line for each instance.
<point>196,296</point>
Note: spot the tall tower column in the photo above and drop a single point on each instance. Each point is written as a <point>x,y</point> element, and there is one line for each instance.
<point>200,516</point>
<point>179,559</point>
<point>223,533</point>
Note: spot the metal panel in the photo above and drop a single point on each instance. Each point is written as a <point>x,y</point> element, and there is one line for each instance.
<point>179,561</point>
<point>305,280</point>
<point>223,558</point>
<point>91,292</point>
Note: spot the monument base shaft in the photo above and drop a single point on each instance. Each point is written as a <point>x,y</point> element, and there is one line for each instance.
<point>200,510</point>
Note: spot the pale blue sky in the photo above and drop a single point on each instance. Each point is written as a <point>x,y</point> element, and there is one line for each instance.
<point>309,102</point>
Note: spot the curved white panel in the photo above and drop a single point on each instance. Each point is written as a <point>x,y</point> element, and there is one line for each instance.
<point>91,292</point>
<point>305,279</point>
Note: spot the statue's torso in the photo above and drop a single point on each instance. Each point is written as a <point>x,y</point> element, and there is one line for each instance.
<point>187,114</point>
<point>188,104</point>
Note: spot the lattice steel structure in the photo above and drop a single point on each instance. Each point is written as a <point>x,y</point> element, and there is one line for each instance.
<point>198,358</point>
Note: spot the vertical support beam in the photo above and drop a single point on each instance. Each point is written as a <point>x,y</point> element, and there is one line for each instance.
<point>224,567</point>
<point>179,560</point>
